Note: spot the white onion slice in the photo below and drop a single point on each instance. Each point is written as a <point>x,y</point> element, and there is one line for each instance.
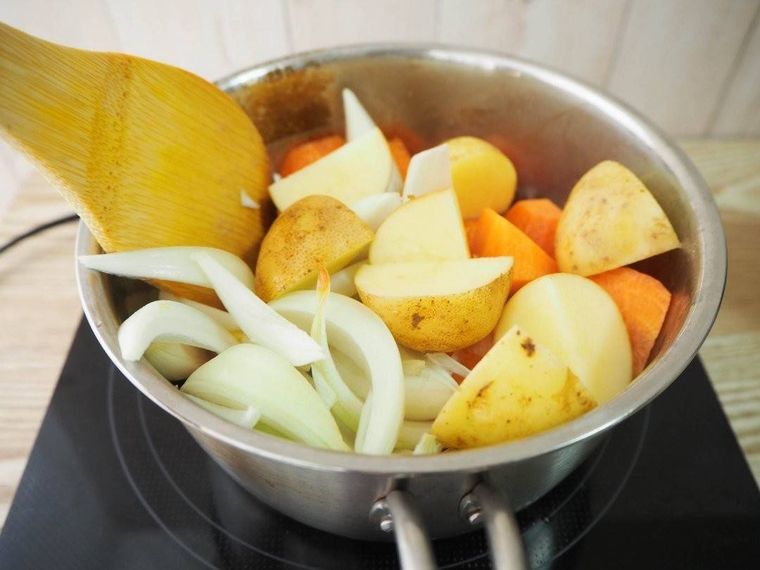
<point>172,322</point>
<point>361,335</point>
<point>247,202</point>
<point>352,374</point>
<point>358,121</point>
<point>426,387</point>
<point>429,171</point>
<point>221,317</point>
<point>426,394</point>
<point>251,375</point>
<point>375,208</point>
<point>411,432</point>
<point>342,282</point>
<point>361,431</point>
<point>412,366</point>
<point>428,445</point>
<point>328,395</point>
<point>261,324</point>
<point>168,263</point>
<point>175,361</point>
<point>246,418</point>
<point>448,363</point>
<point>347,407</point>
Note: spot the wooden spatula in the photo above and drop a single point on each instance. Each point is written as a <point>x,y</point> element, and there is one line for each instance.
<point>147,154</point>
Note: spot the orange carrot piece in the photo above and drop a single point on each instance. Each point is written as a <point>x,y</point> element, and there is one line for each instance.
<point>471,231</point>
<point>400,155</point>
<point>643,302</point>
<point>497,236</point>
<point>304,154</point>
<point>471,355</point>
<point>538,219</point>
<point>412,141</point>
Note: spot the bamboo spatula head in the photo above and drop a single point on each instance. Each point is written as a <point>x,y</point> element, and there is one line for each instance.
<point>147,154</point>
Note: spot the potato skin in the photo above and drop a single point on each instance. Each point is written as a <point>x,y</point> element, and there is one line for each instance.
<point>518,389</point>
<point>317,231</point>
<point>610,220</point>
<point>579,322</point>
<point>442,323</point>
<point>483,176</point>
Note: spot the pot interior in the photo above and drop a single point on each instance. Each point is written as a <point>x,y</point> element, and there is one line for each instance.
<point>552,136</point>
<point>553,128</point>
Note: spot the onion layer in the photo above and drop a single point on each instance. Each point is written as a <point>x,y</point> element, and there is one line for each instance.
<point>168,263</point>
<point>251,375</point>
<point>172,322</point>
<point>362,336</point>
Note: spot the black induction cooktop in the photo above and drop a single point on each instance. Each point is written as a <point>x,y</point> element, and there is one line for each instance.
<point>113,482</point>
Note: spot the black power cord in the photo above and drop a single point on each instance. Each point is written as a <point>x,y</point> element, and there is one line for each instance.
<point>38,229</point>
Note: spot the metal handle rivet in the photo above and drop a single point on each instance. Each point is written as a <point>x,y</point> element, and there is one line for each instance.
<point>470,510</point>
<point>381,515</point>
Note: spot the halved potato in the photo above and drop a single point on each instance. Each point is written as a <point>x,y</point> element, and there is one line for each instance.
<point>519,388</point>
<point>579,322</point>
<point>610,220</point>
<point>425,228</point>
<point>437,306</point>
<point>315,232</point>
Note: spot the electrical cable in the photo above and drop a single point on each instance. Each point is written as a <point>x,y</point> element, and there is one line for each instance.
<point>36,230</point>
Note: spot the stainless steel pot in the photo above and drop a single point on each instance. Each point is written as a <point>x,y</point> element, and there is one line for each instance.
<point>554,128</point>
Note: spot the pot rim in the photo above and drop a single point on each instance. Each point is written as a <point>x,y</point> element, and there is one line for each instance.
<point>653,380</point>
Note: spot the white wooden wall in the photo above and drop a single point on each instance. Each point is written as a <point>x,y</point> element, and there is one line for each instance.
<point>693,66</point>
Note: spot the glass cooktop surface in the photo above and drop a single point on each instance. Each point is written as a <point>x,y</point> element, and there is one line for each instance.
<point>114,482</point>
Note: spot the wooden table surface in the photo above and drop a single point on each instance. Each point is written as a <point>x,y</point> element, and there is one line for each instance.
<point>40,308</point>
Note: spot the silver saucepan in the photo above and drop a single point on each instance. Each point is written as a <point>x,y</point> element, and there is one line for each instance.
<point>554,128</point>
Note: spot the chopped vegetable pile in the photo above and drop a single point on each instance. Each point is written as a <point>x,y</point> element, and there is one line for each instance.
<point>408,304</point>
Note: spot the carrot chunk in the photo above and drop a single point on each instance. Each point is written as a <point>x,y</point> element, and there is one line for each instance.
<point>471,231</point>
<point>302,155</point>
<point>643,302</point>
<point>400,155</point>
<point>538,219</point>
<point>497,236</point>
<point>471,355</point>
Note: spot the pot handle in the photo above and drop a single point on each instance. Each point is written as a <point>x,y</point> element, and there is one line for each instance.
<point>484,504</point>
<point>397,513</point>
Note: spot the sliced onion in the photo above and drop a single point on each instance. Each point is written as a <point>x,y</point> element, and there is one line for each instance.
<point>246,418</point>
<point>361,432</point>
<point>175,361</point>
<point>221,317</point>
<point>411,432</point>
<point>426,387</point>
<point>375,208</point>
<point>361,335</point>
<point>426,394</point>
<point>342,282</point>
<point>171,322</point>
<point>247,202</point>
<point>358,121</point>
<point>412,366</point>
<point>428,445</point>
<point>252,375</point>
<point>328,395</point>
<point>352,374</point>
<point>258,320</point>
<point>429,171</point>
<point>168,263</point>
<point>448,363</point>
<point>347,407</point>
